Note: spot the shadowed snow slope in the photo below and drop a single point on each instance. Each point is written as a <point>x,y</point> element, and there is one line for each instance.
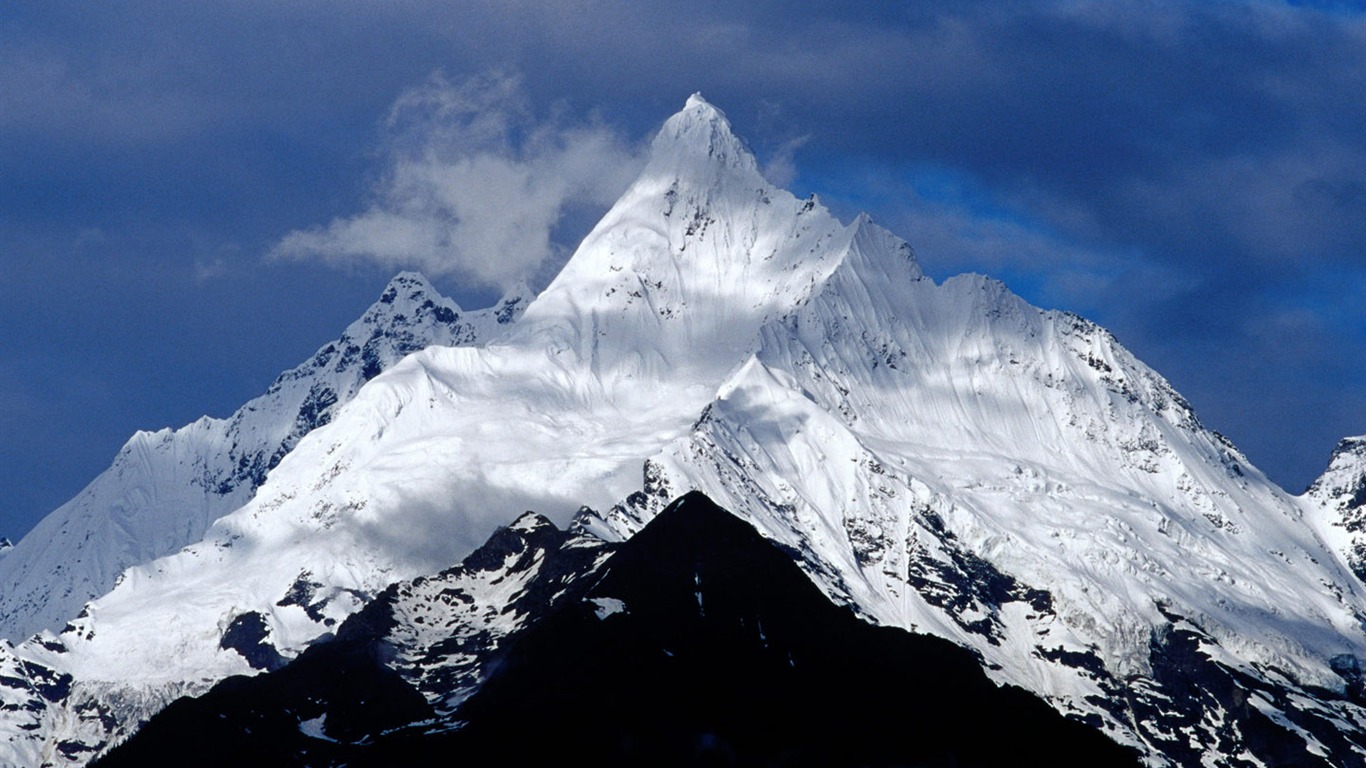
<point>943,458</point>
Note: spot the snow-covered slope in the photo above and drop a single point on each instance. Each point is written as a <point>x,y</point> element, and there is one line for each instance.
<point>943,457</point>
<point>949,458</point>
<point>164,488</point>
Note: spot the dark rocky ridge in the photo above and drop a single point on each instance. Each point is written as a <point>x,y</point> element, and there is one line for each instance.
<point>696,643</point>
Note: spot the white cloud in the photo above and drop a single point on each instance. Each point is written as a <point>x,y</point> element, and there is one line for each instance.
<point>781,168</point>
<point>474,185</point>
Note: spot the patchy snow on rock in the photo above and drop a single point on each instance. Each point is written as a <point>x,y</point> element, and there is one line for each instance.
<point>604,607</point>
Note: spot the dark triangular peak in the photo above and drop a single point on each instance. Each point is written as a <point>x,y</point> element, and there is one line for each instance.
<point>701,643</point>
<point>697,642</point>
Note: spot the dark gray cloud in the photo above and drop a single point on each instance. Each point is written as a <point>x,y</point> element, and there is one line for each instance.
<point>1192,175</point>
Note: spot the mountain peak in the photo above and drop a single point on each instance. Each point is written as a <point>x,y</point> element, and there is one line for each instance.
<point>1339,496</point>
<point>699,136</point>
<point>409,287</point>
<point>1357,443</point>
<point>1345,476</point>
<point>408,301</point>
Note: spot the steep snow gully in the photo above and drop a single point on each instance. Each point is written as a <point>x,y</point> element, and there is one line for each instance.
<point>941,458</point>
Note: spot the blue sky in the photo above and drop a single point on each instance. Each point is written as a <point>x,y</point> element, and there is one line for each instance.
<point>186,190</point>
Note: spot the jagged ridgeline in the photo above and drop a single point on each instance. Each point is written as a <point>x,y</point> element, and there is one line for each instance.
<point>937,458</point>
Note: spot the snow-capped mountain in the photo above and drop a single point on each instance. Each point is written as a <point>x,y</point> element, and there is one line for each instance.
<point>612,362</point>
<point>164,488</point>
<point>943,458</point>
